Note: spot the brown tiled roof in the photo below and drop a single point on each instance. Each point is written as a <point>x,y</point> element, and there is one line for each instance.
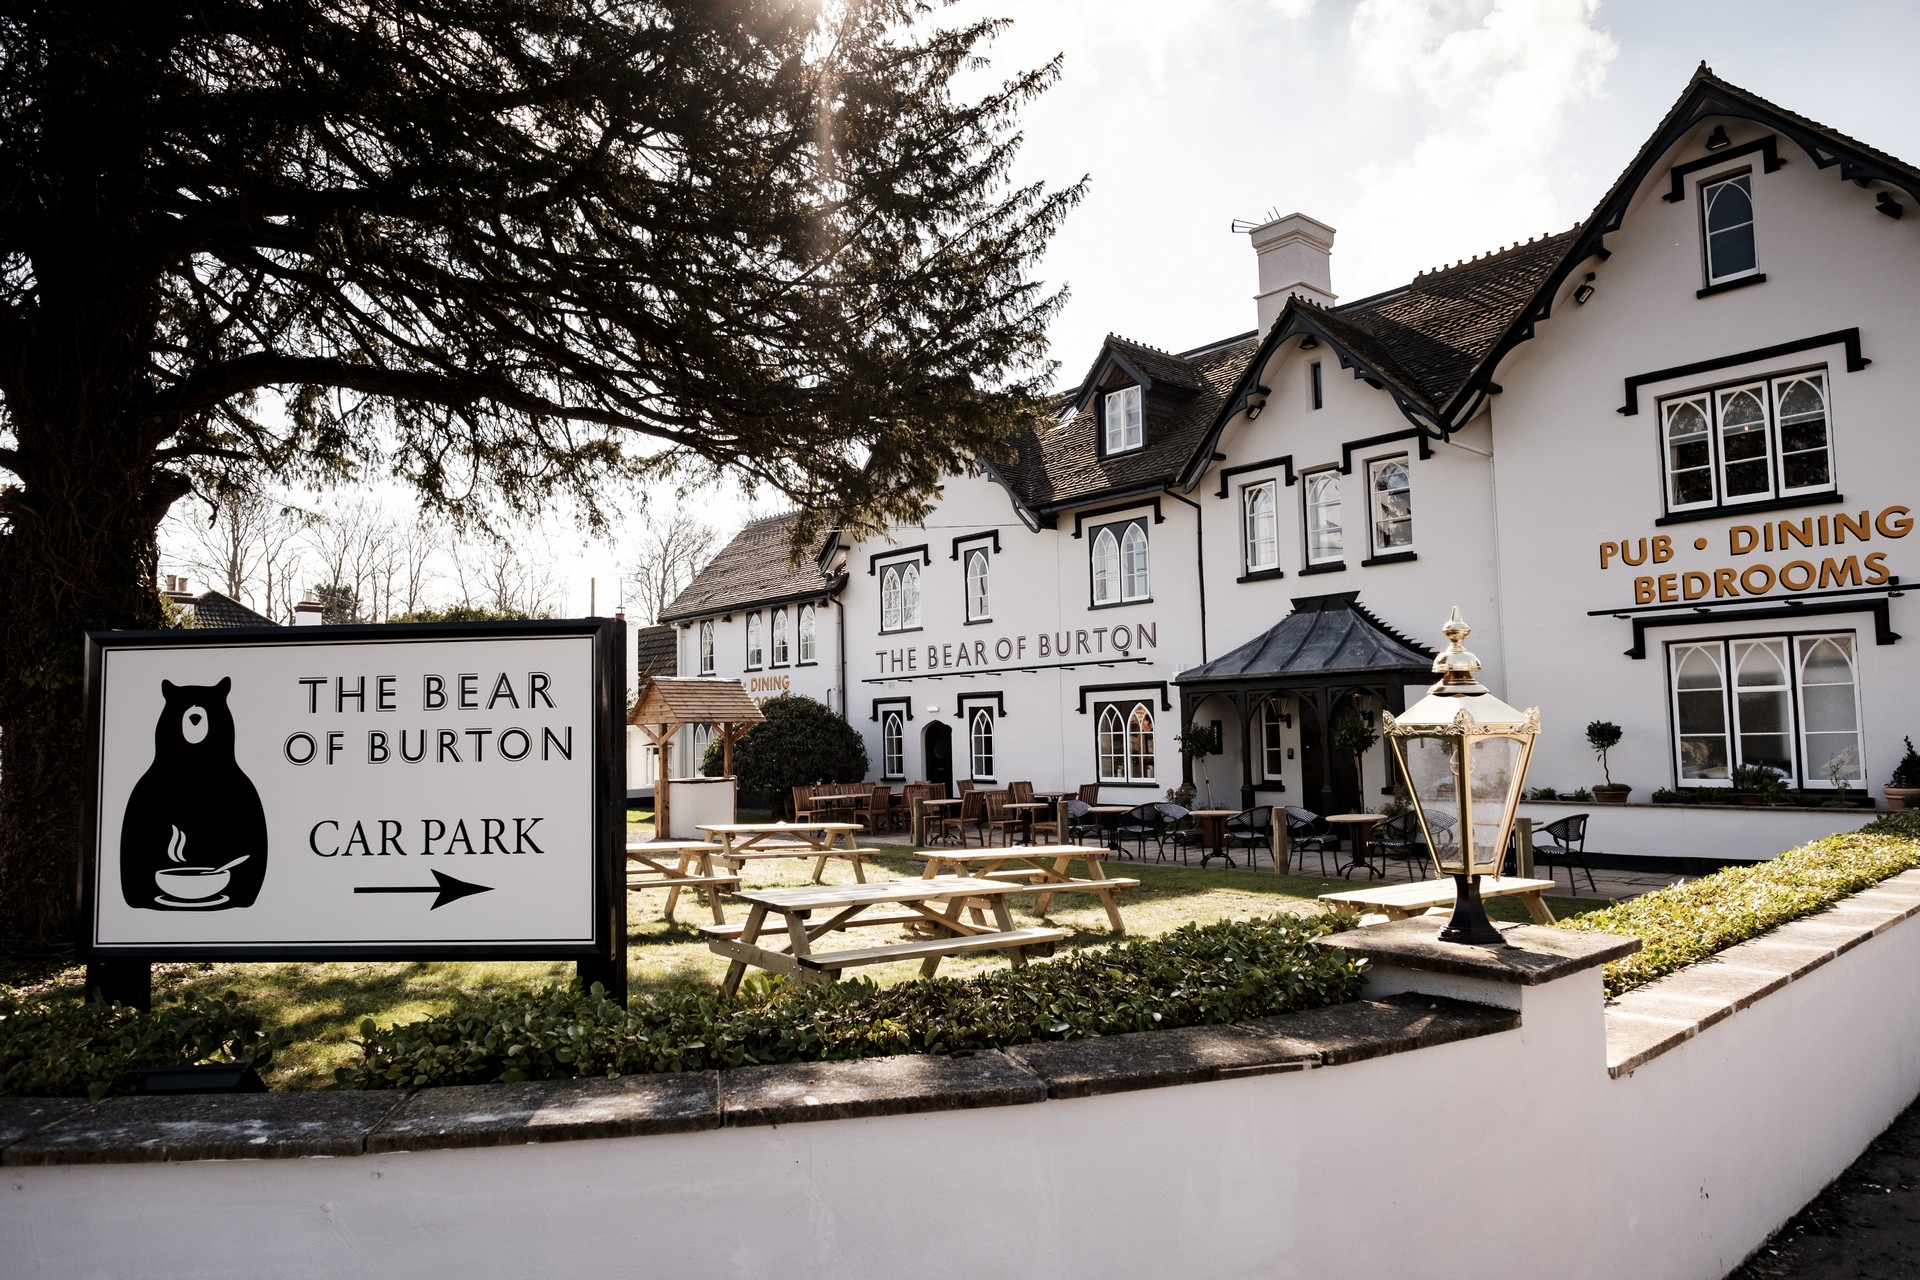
<point>694,700</point>
<point>754,569</point>
<point>1061,466</point>
<point>658,651</point>
<point>216,612</point>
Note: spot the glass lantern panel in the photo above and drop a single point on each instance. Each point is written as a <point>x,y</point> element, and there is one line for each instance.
<point>1432,766</point>
<point>1495,776</point>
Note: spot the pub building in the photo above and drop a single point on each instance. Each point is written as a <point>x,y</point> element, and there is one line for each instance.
<point>1656,460</point>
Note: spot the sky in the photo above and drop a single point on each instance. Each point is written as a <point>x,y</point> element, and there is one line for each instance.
<point>1424,131</point>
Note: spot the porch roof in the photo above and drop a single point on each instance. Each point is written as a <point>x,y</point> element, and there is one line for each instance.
<point>1325,636</point>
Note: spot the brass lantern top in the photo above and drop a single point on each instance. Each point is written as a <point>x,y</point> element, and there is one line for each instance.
<point>1458,703</point>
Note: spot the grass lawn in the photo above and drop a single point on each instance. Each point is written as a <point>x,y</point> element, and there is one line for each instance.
<point>323,1004</point>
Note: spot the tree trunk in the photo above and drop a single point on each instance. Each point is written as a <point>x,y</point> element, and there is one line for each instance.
<point>77,553</point>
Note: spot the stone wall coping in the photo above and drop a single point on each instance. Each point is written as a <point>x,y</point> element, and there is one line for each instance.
<point>1652,1019</point>
<point>51,1131</point>
<point>1532,955</point>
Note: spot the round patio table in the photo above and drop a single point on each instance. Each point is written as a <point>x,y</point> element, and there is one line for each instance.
<point>1363,824</point>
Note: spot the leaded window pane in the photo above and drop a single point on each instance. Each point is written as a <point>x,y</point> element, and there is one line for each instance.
<point>1762,704</point>
<point>1830,710</point>
<point>977,586</point>
<point>706,648</point>
<point>1112,745</point>
<point>1392,506</point>
<point>1802,407</point>
<point>1133,563</point>
<point>1743,444</point>
<point>1140,744</point>
<point>1689,454</point>
<point>890,599</point>
<point>1729,216</point>
<point>1263,531</point>
<point>756,653</point>
<point>781,655</point>
<point>910,596</point>
<point>1700,710</point>
<point>893,761</point>
<point>982,744</point>
<point>1324,541</point>
<point>1106,567</point>
<point>806,634</point>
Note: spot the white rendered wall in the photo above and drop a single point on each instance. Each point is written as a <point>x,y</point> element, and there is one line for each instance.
<point>1677,1170</point>
<point>1688,831</point>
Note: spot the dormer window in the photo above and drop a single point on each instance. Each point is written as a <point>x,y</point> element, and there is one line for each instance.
<point>1123,431</point>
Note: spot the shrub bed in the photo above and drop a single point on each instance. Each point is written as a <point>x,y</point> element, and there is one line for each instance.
<point>1197,974</point>
<point>53,1047</point>
<point>1689,922</point>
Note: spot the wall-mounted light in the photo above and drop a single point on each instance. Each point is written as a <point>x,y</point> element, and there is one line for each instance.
<point>1309,342</point>
<point>1886,204</point>
<point>1255,406</point>
<point>1585,290</point>
<point>1718,138</point>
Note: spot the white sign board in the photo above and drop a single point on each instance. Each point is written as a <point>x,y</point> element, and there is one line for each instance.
<point>371,791</point>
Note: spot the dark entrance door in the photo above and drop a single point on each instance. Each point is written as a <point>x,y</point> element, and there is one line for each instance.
<point>937,743</point>
<point>1330,778</point>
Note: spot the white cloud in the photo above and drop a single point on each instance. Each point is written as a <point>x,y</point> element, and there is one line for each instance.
<point>1493,83</point>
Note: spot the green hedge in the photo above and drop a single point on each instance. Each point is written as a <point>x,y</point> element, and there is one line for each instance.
<point>1689,922</point>
<point>1197,974</point>
<point>59,1047</point>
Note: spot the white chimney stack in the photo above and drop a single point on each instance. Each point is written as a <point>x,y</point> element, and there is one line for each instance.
<point>309,612</point>
<point>1296,254</point>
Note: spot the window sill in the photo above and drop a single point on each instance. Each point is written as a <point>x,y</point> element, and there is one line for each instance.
<point>976,622</point>
<point>1133,786</point>
<point>901,631</point>
<point>1735,510</point>
<point>1726,286</point>
<point>1261,575</point>
<point>1337,566</point>
<point>1122,604</point>
<point>1392,557</point>
<point>808,662</point>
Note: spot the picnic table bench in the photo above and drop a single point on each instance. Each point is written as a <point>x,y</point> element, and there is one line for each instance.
<point>692,867</point>
<point>939,901</point>
<point>743,841</point>
<point>1038,868</point>
<point>1399,901</point>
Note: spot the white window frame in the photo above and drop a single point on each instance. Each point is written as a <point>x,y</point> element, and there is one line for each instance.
<point>1124,428</point>
<point>1273,745</point>
<point>706,648</point>
<point>756,642</point>
<point>1120,565</point>
<point>809,652</point>
<point>893,744</point>
<point>1315,485</point>
<point>1769,390</point>
<point>1120,755</point>
<point>781,640</point>
<point>980,743</point>
<point>977,582</point>
<point>1796,647</point>
<point>1377,498</point>
<point>900,596</point>
<point>1260,528</point>
<point>1708,197</point>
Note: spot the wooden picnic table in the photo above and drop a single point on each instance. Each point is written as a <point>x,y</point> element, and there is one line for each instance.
<point>743,841</point>
<point>1039,868</point>
<point>1399,901</point>
<point>647,868</point>
<point>939,901</point>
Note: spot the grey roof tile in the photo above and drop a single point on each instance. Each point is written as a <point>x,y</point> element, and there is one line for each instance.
<point>1324,635</point>
<point>754,568</point>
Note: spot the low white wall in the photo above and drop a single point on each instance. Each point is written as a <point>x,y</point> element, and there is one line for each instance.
<point>698,802</point>
<point>1514,1154</point>
<point>1724,832</point>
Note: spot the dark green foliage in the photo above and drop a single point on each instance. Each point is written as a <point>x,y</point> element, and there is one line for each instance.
<point>1350,733</point>
<point>802,743</point>
<point>1691,921</point>
<point>474,613</point>
<point>1197,974</point>
<point>1907,772</point>
<point>57,1047</point>
<point>493,250</point>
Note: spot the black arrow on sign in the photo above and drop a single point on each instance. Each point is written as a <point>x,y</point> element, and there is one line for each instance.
<point>449,889</point>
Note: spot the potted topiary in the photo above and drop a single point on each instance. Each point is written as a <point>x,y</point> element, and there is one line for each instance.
<point>1758,784</point>
<point>1197,743</point>
<point>1603,736</point>
<point>1904,785</point>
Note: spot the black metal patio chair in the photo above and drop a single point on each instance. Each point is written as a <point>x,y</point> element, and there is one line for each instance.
<point>1250,830</point>
<point>1139,824</point>
<point>1306,833</point>
<point>1569,836</point>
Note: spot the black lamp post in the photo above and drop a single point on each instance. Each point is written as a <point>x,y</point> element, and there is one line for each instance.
<point>1464,754</point>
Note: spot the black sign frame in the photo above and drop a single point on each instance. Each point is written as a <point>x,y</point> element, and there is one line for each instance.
<point>602,959</point>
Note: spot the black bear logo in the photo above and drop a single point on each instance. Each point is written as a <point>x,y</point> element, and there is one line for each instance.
<point>195,835</point>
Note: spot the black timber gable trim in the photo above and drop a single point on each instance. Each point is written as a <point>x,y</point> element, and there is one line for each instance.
<point>1847,338</point>
<point>965,538</point>
<point>1390,437</point>
<point>1768,147</point>
<point>995,696</point>
<point>1134,688</point>
<point>873,561</point>
<point>1285,463</point>
<point>1706,95</point>
<point>1081,517</point>
<point>905,704</point>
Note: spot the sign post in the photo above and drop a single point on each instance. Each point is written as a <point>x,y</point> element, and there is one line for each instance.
<point>410,792</point>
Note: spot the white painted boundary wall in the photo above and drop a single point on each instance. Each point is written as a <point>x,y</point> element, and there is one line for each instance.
<point>1515,1154</point>
<point>1695,831</point>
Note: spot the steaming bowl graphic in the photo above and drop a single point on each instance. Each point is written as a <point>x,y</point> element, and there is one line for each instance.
<point>190,884</point>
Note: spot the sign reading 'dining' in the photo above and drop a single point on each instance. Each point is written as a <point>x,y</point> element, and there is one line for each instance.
<point>366,791</point>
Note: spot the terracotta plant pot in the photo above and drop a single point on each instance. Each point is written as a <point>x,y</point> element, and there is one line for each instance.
<point>1752,798</point>
<point>1900,797</point>
<point>1611,795</point>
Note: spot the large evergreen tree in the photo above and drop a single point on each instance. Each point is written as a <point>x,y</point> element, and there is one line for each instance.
<point>496,248</point>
